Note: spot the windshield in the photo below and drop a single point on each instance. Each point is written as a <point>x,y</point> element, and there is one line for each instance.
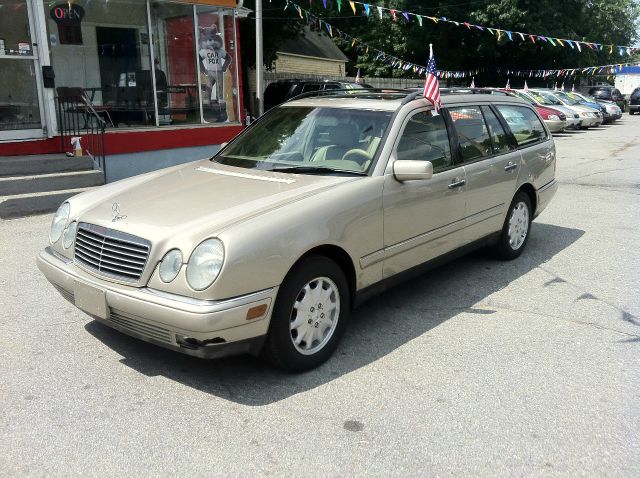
<point>577,97</point>
<point>564,97</point>
<point>551,100</point>
<point>308,139</point>
<point>525,97</point>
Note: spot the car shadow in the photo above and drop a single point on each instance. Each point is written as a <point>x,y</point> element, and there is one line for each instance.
<point>377,328</point>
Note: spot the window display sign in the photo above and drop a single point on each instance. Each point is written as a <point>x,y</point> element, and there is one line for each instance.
<point>67,13</point>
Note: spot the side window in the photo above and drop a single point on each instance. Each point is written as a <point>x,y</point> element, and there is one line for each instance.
<point>498,135</point>
<point>472,132</point>
<point>524,124</point>
<point>311,87</point>
<point>331,86</point>
<point>425,138</point>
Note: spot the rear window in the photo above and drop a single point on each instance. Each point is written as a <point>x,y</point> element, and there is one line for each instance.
<point>524,123</point>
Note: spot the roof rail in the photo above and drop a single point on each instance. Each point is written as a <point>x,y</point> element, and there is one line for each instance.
<point>350,93</point>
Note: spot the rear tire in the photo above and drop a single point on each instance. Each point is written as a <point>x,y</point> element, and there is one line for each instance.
<point>309,316</point>
<point>516,228</point>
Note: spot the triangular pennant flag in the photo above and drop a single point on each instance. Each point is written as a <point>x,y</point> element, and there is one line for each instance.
<point>406,16</point>
<point>393,14</point>
<point>578,45</point>
<point>551,41</point>
<point>419,17</point>
<point>508,87</point>
<point>339,5</point>
<point>324,2</point>
<point>353,6</point>
<point>473,83</point>
<point>380,12</point>
<point>526,88</point>
<point>366,8</point>
<point>521,36</point>
<point>509,35</point>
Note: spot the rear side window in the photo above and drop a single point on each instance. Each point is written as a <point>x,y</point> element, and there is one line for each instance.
<point>524,123</point>
<point>425,138</point>
<point>331,86</point>
<point>499,138</point>
<point>473,137</point>
<point>311,87</point>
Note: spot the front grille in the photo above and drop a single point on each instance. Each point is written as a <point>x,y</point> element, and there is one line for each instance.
<point>111,253</point>
<point>136,326</point>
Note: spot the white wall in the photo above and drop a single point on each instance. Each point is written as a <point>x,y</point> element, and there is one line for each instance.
<point>627,82</point>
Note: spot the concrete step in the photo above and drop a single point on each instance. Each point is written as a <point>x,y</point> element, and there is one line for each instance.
<point>23,205</point>
<point>42,164</point>
<point>11,186</point>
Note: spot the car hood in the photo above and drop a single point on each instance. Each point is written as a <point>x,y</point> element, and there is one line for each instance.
<point>202,195</point>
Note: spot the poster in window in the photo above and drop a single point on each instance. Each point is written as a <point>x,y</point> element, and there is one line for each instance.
<point>214,61</point>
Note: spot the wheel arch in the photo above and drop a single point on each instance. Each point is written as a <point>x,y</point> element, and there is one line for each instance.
<point>530,191</point>
<point>340,257</point>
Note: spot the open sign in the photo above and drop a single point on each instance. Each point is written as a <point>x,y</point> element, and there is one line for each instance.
<point>67,13</point>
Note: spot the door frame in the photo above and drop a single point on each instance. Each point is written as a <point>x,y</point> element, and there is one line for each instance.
<point>37,40</point>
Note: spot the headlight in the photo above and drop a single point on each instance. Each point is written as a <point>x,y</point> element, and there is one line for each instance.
<point>205,264</point>
<point>69,235</point>
<point>554,118</point>
<point>59,221</point>
<point>170,265</point>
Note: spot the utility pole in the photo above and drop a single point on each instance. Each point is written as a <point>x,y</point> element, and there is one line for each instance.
<point>259,59</point>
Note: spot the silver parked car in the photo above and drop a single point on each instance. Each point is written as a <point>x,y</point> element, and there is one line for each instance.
<point>267,247</point>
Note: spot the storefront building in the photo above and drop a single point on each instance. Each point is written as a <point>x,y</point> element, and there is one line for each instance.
<point>162,75</point>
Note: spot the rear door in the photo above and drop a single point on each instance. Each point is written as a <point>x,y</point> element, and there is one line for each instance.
<point>423,219</point>
<point>534,143</point>
<point>491,162</point>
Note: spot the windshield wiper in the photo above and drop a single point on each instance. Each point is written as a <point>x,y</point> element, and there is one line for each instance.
<point>315,170</point>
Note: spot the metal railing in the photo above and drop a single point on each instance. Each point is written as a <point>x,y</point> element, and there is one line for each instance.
<point>77,117</point>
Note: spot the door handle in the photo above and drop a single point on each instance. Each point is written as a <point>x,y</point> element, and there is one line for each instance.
<point>510,166</point>
<point>457,183</point>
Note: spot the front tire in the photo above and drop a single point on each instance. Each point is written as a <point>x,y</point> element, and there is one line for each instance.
<point>309,316</point>
<point>516,228</point>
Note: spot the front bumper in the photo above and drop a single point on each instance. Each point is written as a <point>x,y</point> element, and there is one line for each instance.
<point>573,123</point>
<point>555,126</point>
<point>588,121</point>
<point>202,328</point>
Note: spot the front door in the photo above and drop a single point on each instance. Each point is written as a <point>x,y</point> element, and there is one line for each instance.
<point>423,219</point>
<point>20,104</point>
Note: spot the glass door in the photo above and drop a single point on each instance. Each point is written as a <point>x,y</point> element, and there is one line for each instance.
<point>20,116</point>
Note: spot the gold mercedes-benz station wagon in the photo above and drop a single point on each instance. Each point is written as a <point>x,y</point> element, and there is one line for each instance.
<point>267,247</point>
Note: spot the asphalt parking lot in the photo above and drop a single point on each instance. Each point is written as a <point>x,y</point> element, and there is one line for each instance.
<point>529,367</point>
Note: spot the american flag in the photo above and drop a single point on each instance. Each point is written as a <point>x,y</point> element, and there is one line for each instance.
<point>431,86</point>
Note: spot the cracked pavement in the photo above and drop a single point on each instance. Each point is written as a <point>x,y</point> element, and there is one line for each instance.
<point>529,367</point>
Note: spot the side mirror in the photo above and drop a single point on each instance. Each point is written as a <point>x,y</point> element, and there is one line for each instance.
<point>411,170</point>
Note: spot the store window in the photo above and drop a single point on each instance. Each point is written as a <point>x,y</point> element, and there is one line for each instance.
<point>174,58</point>
<point>179,69</point>
<point>19,106</point>
<point>217,64</point>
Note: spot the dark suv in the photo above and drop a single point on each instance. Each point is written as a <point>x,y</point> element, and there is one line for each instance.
<point>283,90</point>
<point>634,102</point>
<point>608,93</point>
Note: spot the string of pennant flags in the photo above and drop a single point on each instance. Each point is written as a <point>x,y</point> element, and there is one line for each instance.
<point>398,63</point>
<point>369,9</point>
